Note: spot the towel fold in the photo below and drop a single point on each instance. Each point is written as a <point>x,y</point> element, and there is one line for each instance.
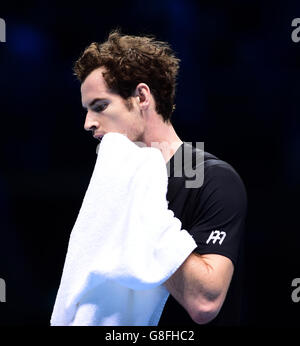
<point>125,242</point>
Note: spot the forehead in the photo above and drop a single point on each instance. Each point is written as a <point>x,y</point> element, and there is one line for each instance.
<point>94,86</point>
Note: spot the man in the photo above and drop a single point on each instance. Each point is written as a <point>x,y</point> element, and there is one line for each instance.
<point>128,86</point>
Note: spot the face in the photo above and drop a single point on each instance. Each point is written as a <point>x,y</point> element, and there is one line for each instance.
<point>107,111</point>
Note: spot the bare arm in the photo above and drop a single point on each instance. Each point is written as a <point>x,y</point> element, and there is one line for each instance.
<point>200,285</point>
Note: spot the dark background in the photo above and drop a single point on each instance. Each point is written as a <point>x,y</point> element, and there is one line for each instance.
<point>238,92</point>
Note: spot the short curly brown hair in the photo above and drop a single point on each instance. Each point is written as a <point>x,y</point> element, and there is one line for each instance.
<point>130,60</point>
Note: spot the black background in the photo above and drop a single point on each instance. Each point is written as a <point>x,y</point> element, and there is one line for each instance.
<point>238,92</point>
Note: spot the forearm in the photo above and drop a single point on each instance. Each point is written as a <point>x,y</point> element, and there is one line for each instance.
<point>199,287</point>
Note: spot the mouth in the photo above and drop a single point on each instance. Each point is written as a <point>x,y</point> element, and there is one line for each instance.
<point>98,137</point>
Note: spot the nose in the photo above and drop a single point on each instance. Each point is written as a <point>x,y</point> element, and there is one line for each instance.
<point>90,122</point>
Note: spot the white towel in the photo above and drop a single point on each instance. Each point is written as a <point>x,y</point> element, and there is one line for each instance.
<point>125,242</point>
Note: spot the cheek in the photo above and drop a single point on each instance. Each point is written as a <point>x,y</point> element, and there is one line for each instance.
<point>118,122</point>
<point>126,125</point>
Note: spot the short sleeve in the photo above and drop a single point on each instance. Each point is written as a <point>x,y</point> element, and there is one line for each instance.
<point>219,212</point>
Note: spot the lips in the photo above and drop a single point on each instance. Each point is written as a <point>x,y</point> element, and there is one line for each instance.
<point>98,136</point>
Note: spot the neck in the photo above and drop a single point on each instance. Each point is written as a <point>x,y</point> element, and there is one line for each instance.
<point>162,135</point>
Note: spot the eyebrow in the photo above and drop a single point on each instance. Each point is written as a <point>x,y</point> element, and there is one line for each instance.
<point>93,102</point>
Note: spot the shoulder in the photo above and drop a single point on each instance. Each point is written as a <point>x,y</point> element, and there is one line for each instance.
<point>222,185</point>
<point>212,164</point>
<point>217,172</point>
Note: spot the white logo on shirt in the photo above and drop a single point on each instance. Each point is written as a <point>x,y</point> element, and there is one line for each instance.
<point>216,235</point>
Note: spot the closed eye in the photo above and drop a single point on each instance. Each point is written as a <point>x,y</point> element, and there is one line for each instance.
<point>100,108</point>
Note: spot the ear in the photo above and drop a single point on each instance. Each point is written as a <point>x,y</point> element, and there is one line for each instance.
<point>143,95</point>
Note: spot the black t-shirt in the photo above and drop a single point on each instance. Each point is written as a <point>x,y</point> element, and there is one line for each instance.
<point>214,214</point>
